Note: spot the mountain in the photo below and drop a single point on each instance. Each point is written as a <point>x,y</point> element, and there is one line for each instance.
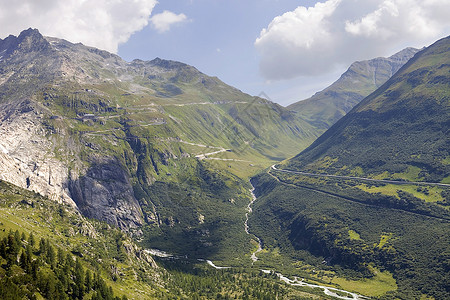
<point>362,78</point>
<point>399,131</point>
<point>371,194</point>
<point>103,161</point>
<point>49,251</point>
<point>156,148</point>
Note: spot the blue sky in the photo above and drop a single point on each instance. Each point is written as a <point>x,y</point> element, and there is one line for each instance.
<point>285,48</point>
<point>217,38</point>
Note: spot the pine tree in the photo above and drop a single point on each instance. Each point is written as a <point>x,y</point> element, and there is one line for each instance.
<point>88,280</point>
<point>12,250</point>
<point>31,240</point>
<point>34,268</point>
<point>42,246</point>
<point>17,237</point>
<point>50,288</point>
<point>3,247</point>
<point>61,257</point>
<point>51,256</point>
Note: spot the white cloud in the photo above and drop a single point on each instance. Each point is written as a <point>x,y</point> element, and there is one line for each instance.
<point>163,21</point>
<point>315,40</point>
<point>101,23</point>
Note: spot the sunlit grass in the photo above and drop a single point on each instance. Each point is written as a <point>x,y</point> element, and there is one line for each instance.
<point>378,285</point>
<point>427,194</point>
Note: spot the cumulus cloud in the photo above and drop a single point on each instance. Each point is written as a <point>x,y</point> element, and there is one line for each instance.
<point>163,21</point>
<point>314,40</point>
<point>101,23</point>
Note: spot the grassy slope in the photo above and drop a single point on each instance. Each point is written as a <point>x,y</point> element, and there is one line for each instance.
<point>401,126</point>
<point>191,207</point>
<point>312,225</point>
<point>155,118</point>
<point>95,243</point>
<point>106,251</point>
<point>398,132</point>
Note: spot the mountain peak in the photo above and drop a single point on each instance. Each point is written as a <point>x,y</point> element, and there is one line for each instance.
<point>29,40</point>
<point>30,32</point>
<point>404,55</point>
<point>168,64</point>
<point>361,78</point>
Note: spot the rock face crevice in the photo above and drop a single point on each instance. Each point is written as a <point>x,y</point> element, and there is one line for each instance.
<point>105,193</point>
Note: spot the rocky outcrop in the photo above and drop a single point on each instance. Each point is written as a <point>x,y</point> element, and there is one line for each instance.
<point>26,156</point>
<point>105,193</point>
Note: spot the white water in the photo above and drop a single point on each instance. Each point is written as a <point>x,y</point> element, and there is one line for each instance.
<point>330,291</point>
<point>158,253</point>
<point>297,281</point>
<point>213,265</point>
<point>249,210</point>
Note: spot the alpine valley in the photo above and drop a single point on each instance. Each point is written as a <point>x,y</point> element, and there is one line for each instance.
<point>137,180</point>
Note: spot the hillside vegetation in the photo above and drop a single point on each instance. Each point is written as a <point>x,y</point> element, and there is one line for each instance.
<point>49,251</point>
<point>356,227</point>
<point>398,132</point>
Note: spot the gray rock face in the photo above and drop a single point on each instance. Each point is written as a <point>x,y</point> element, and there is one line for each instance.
<point>26,157</point>
<point>105,193</point>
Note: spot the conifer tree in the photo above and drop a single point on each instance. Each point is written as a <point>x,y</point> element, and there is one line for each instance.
<point>31,240</point>
<point>42,246</point>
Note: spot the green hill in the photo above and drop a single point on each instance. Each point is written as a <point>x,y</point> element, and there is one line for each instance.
<point>49,251</point>
<point>398,220</point>
<point>400,131</point>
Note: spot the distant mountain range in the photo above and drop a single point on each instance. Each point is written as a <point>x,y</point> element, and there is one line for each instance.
<point>362,78</point>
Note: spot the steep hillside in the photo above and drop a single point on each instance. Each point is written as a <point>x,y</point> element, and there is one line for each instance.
<point>399,132</point>
<point>372,193</point>
<point>362,78</point>
<point>156,148</point>
<point>49,250</point>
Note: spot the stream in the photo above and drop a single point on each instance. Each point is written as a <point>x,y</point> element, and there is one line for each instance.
<point>249,211</point>
<point>330,291</point>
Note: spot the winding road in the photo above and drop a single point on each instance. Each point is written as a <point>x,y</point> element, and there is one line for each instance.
<point>335,195</point>
<point>273,167</point>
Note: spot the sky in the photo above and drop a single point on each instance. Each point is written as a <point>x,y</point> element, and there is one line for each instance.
<point>287,49</point>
